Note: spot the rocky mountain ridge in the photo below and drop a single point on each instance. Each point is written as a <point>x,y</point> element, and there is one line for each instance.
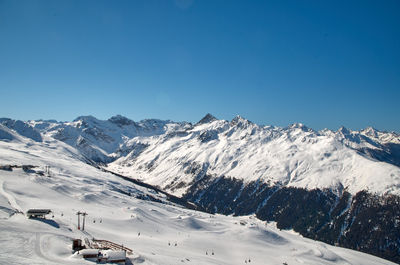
<point>173,154</point>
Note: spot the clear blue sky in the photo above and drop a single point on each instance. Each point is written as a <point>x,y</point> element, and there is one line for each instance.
<point>322,63</point>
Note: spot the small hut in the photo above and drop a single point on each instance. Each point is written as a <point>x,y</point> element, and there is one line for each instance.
<point>38,213</point>
<point>89,253</point>
<point>102,255</point>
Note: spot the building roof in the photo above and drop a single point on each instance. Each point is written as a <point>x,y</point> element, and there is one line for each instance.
<point>38,211</point>
<point>114,255</point>
<point>89,251</point>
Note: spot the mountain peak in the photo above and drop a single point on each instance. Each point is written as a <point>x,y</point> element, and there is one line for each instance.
<point>343,130</point>
<point>297,125</point>
<point>207,119</point>
<point>239,120</point>
<point>85,118</point>
<point>370,131</point>
<point>301,126</point>
<point>120,120</point>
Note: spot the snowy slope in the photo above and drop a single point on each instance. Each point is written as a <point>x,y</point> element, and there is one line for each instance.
<point>97,139</point>
<point>174,155</point>
<point>158,233</point>
<point>295,156</point>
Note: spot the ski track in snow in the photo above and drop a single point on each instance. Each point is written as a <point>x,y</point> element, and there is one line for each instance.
<point>11,200</point>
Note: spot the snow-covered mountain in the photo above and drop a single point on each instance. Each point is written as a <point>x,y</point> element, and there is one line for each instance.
<point>98,139</point>
<point>173,155</point>
<point>295,156</point>
<point>142,219</point>
<point>340,187</point>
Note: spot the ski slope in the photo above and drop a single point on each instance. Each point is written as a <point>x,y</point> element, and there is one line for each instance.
<point>158,232</point>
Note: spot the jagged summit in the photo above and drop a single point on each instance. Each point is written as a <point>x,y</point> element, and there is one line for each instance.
<point>48,121</point>
<point>343,130</point>
<point>298,125</point>
<point>120,120</point>
<point>207,119</point>
<point>85,118</point>
<point>301,126</point>
<point>239,120</point>
<point>371,132</point>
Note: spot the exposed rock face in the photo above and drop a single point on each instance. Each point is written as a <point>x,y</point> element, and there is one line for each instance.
<point>121,120</point>
<point>207,119</point>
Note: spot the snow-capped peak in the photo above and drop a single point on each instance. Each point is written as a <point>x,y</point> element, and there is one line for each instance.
<point>344,131</point>
<point>240,121</point>
<point>121,120</point>
<point>207,119</point>
<point>300,126</point>
<point>371,132</point>
<point>87,118</point>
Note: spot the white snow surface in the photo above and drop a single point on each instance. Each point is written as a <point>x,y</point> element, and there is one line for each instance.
<point>97,138</point>
<point>172,155</point>
<point>295,156</point>
<point>158,233</point>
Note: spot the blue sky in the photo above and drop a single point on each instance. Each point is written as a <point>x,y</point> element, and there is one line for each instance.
<point>322,63</point>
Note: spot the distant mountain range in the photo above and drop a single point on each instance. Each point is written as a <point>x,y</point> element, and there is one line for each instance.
<point>173,155</point>
<point>341,187</point>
